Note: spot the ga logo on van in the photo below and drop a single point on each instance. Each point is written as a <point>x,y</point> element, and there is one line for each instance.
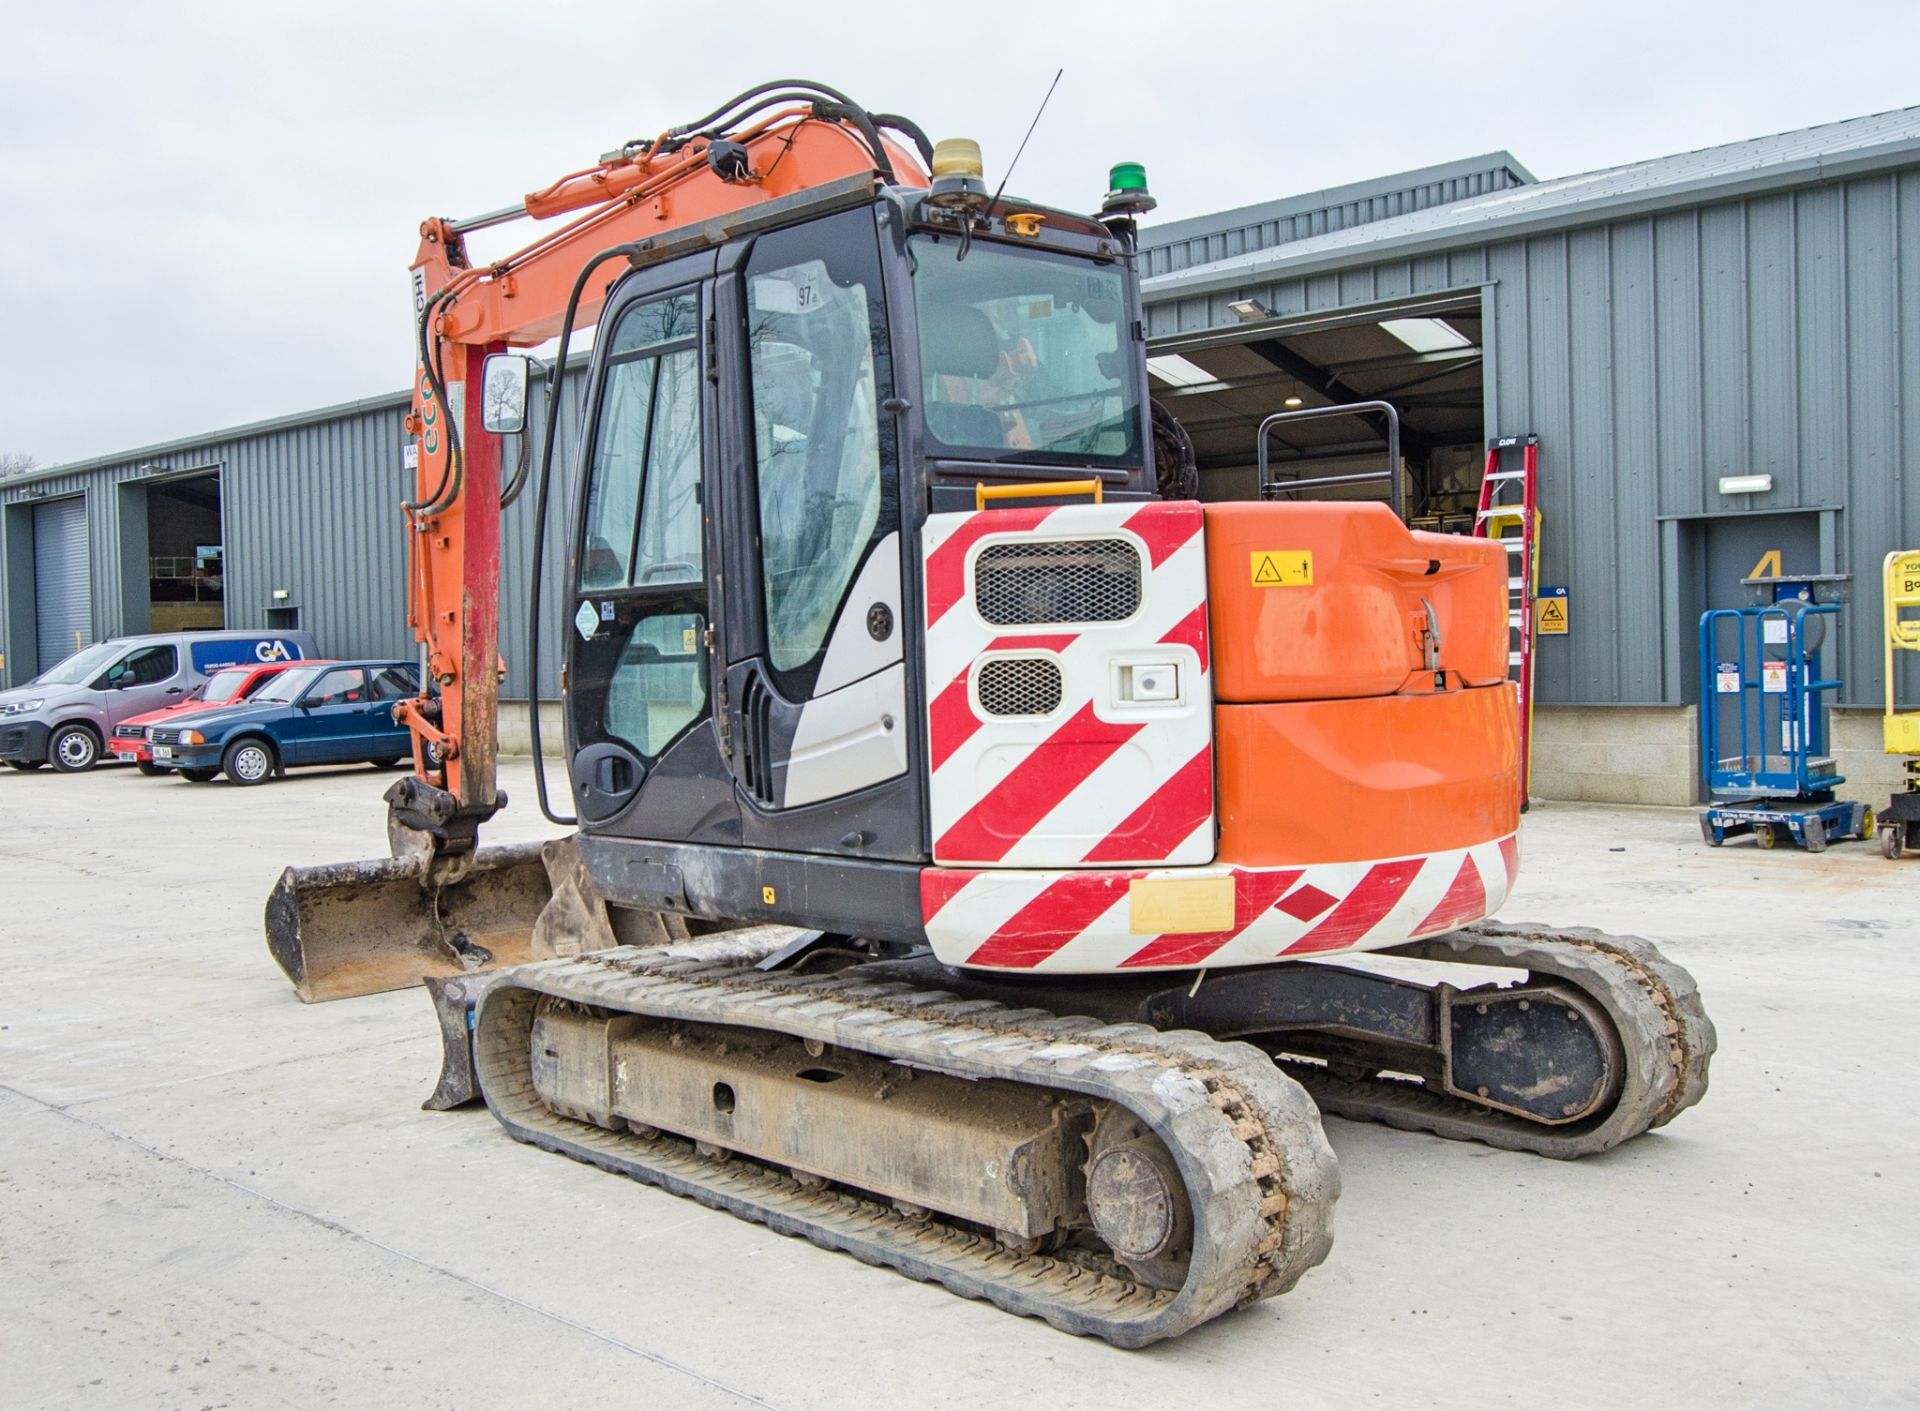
<point>272,651</point>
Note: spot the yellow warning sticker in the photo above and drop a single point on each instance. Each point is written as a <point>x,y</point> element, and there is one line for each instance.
<point>1551,619</point>
<point>1282,568</point>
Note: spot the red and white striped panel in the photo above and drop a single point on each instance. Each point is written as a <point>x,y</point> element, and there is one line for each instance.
<point>1080,922</point>
<point>1102,779</point>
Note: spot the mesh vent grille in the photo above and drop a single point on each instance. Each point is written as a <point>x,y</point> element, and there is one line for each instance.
<point>1020,686</point>
<point>1075,580</point>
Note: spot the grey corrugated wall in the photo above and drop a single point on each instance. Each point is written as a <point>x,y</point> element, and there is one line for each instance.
<point>1299,220</point>
<point>1776,334</point>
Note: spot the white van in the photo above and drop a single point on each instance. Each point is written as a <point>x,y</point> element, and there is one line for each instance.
<point>65,715</point>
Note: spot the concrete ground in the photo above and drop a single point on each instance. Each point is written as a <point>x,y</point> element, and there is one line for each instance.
<point>212,1196</point>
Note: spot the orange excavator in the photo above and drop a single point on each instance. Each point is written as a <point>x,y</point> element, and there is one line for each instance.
<point>964,815</point>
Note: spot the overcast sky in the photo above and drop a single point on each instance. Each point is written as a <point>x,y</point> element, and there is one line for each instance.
<point>207,211</point>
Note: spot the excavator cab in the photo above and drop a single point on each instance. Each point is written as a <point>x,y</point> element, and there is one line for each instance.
<point>747,635</point>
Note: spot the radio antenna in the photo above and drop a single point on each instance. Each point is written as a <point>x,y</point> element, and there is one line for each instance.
<point>1023,141</point>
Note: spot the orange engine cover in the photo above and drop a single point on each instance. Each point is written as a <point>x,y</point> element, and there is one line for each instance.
<point>1315,602</point>
<point>1389,776</point>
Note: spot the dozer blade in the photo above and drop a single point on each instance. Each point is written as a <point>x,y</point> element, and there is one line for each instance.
<point>357,928</point>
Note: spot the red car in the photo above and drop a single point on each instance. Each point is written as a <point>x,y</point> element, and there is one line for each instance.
<point>223,688</point>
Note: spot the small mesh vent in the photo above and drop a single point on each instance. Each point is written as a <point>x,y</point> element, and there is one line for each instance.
<point>1020,686</point>
<point>1076,580</point>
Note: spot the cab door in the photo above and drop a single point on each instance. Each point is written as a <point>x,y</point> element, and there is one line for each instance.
<point>816,689</point>
<point>646,757</point>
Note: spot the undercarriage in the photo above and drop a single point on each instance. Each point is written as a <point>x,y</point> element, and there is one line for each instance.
<point>1122,1158</point>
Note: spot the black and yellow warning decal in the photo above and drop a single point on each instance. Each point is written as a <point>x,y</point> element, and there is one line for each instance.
<point>1282,568</point>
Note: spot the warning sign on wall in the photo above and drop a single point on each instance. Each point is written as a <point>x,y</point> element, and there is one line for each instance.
<point>1550,612</point>
<point>1773,677</point>
<point>1905,580</point>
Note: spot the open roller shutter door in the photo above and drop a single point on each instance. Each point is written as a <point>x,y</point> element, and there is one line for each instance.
<point>62,592</point>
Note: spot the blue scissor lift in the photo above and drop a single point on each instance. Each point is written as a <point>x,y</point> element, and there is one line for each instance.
<point>1763,723</point>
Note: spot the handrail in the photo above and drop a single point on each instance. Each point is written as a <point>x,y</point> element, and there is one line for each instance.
<point>1391,474</point>
<point>1037,489</point>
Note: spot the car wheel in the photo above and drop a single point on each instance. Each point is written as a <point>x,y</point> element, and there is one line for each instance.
<point>23,765</point>
<point>148,768</point>
<point>74,749</point>
<point>199,776</point>
<point>248,761</point>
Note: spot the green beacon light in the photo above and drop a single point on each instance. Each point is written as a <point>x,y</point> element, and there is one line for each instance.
<point>1127,194</point>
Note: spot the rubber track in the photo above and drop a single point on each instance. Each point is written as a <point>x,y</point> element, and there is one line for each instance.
<point>1247,1138</point>
<point>1665,1037</point>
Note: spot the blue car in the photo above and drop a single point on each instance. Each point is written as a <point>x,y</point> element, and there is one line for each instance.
<point>337,713</point>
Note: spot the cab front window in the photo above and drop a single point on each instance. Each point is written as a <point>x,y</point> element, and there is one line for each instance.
<point>1024,355</point>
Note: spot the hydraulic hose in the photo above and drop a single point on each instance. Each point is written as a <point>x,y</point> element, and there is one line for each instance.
<point>727,115</point>
<point>524,461</point>
<point>451,473</point>
<point>910,129</point>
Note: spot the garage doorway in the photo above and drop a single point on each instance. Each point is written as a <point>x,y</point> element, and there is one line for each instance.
<point>1427,358</point>
<point>1717,552</point>
<point>62,581</point>
<point>186,554</point>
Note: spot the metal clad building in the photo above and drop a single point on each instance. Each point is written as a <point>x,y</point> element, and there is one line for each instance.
<point>309,521</point>
<point>1744,310</point>
<point>305,502</point>
<point>1752,309</point>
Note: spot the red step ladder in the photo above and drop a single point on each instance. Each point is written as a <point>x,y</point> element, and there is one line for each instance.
<point>1510,513</point>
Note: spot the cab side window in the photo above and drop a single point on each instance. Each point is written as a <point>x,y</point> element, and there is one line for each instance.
<point>395,683</point>
<point>643,674</point>
<point>146,667</point>
<point>648,436</point>
<point>344,686</point>
<point>823,455</point>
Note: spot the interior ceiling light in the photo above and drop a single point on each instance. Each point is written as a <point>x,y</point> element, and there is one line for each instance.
<point>1426,335</point>
<point>1249,310</point>
<point>1176,371</point>
<point>1292,402</point>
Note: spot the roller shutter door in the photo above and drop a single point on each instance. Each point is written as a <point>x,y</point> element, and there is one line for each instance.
<point>62,592</point>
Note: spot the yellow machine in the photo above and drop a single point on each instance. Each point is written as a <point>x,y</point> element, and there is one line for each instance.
<point>1900,824</point>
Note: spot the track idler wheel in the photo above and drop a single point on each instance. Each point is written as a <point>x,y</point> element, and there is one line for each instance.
<point>1138,1203</point>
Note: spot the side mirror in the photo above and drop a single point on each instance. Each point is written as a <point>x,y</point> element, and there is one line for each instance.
<point>503,391</point>
<point>307,702</point>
